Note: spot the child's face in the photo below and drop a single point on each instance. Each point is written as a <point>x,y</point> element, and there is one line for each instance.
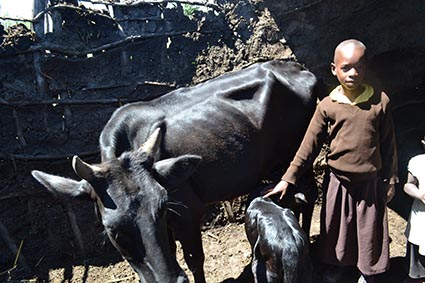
<point>349,66</point>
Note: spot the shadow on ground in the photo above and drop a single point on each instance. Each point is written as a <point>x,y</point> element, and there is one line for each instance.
<point>396,274</point>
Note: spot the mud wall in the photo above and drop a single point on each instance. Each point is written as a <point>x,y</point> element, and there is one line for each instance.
<point>58,88</point>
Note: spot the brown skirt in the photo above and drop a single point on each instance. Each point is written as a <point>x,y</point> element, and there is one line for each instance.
<point>354,227</point>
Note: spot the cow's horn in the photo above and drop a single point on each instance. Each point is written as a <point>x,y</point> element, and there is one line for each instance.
<point>152,143</point>
<point>83,169</point>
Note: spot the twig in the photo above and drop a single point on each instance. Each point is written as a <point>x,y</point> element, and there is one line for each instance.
<point>228,209</point>
<point>4,233</point>
<point>120,279</point>
<point>112,45</point>
<point>136,3</point>
<point>15,263</point>
<point>212,236</point>
<point>70,7</point>
<point>16,19</point>
<point>39,261</point>
<point>26,157</point>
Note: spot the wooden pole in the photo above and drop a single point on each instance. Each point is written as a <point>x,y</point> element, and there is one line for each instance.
<point>39,6</point>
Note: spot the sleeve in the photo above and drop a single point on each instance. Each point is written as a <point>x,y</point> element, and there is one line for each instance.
<point>389,171</point>
<point>310,146</point>
<point>413,166</point>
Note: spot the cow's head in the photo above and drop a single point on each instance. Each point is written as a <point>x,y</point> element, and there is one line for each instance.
<point>132,204</point>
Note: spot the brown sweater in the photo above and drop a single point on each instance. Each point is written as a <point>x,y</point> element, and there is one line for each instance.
<point>361,137</point>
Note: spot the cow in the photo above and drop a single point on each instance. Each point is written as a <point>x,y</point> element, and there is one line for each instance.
<point>164,160</point>
<point>280,248</point>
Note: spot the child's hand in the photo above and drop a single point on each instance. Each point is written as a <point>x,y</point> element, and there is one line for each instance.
<point>390,192</point>
<point>281,188</point>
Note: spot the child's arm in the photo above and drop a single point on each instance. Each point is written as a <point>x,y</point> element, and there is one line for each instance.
<point>411,188</point>
<point>388,144</point>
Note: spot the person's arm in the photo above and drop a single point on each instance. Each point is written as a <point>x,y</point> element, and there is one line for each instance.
<point>388,146</point>
<point>280,188</point>
<point>411,188</point>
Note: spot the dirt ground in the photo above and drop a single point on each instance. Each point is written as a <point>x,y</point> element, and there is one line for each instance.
<point>227,253</point>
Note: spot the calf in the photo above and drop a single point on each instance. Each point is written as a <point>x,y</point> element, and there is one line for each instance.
<point>279,245</point>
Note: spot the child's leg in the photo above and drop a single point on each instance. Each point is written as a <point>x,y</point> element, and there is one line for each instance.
<point>372,228</point>
<point>338,237</point>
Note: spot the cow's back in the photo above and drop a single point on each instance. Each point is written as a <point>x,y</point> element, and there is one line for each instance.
<point>243,124</point>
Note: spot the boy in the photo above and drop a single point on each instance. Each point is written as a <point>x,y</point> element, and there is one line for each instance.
<point>415,230</point>
<point>362,167</point>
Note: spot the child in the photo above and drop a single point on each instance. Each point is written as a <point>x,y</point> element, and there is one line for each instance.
<point>362,167</point>
<point>415,230</point>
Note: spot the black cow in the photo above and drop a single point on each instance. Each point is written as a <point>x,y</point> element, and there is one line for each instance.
<point>280,248</point>
<point>242,125</point>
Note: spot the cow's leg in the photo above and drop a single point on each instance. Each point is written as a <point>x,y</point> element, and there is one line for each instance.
<point>186,227</point>
<point>259,270</point>
<point>194,253</point>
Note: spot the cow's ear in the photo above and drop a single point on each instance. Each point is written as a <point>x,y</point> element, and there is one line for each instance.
<point>174,171</point>
<point>63,186</point>
<point>83,169</point>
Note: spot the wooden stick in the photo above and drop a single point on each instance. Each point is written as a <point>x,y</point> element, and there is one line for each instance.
<point>4,234</point>
<point>26,157</point>
<point>229,211</point>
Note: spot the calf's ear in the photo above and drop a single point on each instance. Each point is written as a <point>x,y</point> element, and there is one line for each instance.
<point>174,171</point>
<point>63,186</point>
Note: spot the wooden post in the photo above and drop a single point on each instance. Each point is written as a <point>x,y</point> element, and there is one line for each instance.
<point>39,6</point>
<point>229,211</point>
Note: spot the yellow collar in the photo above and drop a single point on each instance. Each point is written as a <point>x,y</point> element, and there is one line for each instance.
<point>338,96</point>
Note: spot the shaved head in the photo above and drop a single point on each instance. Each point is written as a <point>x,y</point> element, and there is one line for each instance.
<point>348,47</point>
<point>349,66</point>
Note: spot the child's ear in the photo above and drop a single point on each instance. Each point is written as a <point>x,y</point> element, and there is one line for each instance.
<point>333,68</point>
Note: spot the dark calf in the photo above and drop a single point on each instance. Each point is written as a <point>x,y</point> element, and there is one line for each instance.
<point>279,246</point>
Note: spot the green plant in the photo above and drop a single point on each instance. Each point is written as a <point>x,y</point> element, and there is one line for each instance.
<point>189,10</point>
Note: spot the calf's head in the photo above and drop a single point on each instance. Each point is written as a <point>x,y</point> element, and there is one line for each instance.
<point>132,201</point>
